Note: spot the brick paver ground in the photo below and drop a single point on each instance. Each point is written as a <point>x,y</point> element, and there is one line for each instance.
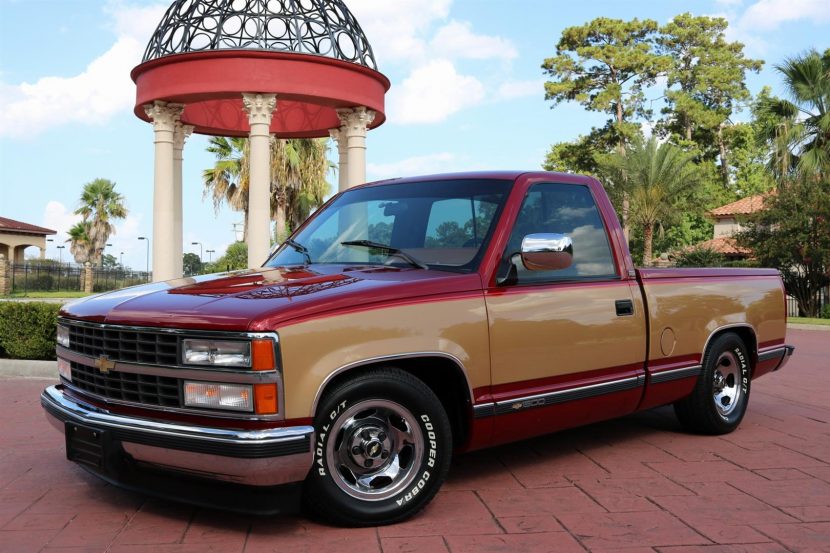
<point>635,484</point>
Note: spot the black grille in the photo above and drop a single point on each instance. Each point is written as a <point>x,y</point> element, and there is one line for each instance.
<point>136,388</point>
<point>124,345</point>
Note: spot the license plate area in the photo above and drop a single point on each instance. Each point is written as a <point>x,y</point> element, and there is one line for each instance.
<point>86,445</point>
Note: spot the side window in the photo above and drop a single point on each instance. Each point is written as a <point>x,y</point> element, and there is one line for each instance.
<point>564,209</point>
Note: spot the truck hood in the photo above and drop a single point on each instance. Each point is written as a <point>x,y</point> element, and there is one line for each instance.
<point>262,299</point>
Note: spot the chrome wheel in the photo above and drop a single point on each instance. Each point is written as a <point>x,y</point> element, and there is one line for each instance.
<point>375,449</point>
<point>726,383</point>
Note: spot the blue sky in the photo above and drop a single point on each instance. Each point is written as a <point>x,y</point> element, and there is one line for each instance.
<point>466,94</point>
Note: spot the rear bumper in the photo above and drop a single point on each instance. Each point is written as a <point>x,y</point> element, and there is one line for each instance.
<point>253,457</point>
<point>780,356</point>
<point>788,352</point>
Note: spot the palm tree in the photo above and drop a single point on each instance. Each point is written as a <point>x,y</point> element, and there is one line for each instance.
<point>298,184</point>
<point>227,180</point>
<point>298,180</point>
<point>79,244</point>
<point>657,178</point>
<point>800,129</point>
<point>100,205</point>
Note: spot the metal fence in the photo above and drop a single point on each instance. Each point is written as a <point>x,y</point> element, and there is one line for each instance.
<point>792,304</point>
<point>66,277</point>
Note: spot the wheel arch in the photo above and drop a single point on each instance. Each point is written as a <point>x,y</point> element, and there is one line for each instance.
<point>746,332</point>
<point>432,369</point>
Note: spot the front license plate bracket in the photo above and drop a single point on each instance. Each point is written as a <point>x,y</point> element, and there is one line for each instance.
<point>86,445</point>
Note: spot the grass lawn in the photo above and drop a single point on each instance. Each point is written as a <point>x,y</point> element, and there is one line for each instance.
<point>51,294</point>
<point>809,321</point>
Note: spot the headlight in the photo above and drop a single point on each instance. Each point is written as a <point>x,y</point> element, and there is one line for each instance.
<point>63,336</point>
<point>221,353</point>
<point>213,395</point>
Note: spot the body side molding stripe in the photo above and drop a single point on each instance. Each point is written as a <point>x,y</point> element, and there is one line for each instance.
<point>676,374</point>
<point>560,396</point>
<point>776,353</point>
<point>484,410</point>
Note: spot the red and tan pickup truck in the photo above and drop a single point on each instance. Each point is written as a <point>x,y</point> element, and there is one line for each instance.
<point>405,321</point>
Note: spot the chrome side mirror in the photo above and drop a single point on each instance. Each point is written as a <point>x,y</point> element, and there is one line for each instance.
<point>547,252</point>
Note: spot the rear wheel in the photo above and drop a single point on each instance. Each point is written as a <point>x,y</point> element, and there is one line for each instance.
<point>383,447</point>
<point>720,398</point>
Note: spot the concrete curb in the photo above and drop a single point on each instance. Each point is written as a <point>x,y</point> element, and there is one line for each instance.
<point>60,301</point>
<point>28,368</point>
<point>798,326</point>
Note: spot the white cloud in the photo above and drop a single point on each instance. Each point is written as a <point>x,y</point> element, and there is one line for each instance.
<point>510,90</point>
<point>398,30</point>
<point>416,37</point>
<point>432,93</point>
<point>93,96</point>
<point>769,14</point>
<point>457,40</point>
<point>57,217</point>
<point>432,163</point>
<point>138,22</point>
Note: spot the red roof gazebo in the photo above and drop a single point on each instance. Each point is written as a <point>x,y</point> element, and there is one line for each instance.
<point>298,68</point>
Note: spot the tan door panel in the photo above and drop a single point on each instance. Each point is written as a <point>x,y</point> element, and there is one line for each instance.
<point>553,330</point>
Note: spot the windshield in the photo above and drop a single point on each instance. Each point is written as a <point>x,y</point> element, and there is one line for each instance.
<point>437,224</point>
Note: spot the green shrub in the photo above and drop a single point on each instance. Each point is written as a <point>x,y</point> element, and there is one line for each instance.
<point>27,329</point>
<point>700,257</point>
<point>825,312</point>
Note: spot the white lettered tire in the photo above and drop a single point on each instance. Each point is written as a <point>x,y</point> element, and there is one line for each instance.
<point>383,446</point>
<point>720,398</point>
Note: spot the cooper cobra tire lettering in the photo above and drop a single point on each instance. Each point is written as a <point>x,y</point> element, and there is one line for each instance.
<point>432,455</point>
<point>382,449</point>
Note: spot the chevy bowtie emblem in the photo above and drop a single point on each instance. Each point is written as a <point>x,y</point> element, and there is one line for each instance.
<point>104,364</point>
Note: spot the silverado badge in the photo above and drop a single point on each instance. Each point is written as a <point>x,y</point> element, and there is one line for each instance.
<point>104,364</point>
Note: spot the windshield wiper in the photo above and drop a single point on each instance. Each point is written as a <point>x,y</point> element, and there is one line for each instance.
<point>389,249</point>
<point>299,248</point>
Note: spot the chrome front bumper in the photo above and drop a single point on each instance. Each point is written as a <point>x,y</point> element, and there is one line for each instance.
<point>254,457</point>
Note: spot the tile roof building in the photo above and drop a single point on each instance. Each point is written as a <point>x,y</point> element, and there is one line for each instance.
<point>16,236</point>
<point>727,226</point>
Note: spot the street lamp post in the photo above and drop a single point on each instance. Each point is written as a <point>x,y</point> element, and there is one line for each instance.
<point>121,260</point>
<point>60,264</point>
<point>201,254</point>
<point>210,255</point>
<point>102,253</point>
<point>147,270</point>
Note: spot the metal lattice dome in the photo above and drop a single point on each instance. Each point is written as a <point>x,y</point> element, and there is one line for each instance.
<point>319,27</point>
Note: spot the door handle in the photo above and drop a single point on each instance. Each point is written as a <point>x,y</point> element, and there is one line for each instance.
<point>625,308</point>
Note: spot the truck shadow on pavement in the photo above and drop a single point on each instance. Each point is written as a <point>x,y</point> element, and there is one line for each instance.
<point>598,451</point>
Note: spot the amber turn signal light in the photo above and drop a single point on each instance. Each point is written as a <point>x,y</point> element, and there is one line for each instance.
<point>263,355</point>
<point>265,399</point>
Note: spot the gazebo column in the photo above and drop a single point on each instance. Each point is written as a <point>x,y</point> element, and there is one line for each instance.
<point>164,117</point>
<point>260,108</point>
<point>339,136</point>
<point>180,134</point>
<point>355,124</point>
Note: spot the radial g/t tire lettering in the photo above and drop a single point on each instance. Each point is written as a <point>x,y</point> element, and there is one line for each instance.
<point>720,398</point>
<point>382,449</point>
